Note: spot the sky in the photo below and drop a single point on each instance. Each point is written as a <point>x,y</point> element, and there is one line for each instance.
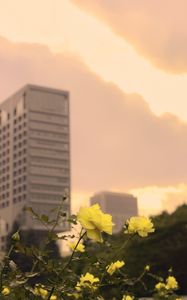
<point>125,66</point>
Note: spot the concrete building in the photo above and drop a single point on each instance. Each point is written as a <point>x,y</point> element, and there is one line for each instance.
<point>34,155</point>
<point>120,205</point>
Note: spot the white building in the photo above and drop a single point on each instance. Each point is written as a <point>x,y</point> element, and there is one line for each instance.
<point>34,154</point>
<point>120,205</point>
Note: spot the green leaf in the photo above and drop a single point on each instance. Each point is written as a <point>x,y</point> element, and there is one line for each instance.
<point>44,218</point>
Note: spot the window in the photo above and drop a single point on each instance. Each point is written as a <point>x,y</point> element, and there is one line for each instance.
<point>24,101</point>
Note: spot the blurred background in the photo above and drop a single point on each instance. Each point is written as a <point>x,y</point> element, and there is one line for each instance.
<point>124,65</point>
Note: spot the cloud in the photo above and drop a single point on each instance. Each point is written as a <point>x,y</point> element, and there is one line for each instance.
<point>116,141</point>
<point>154,199</point>
<point>175,198</point>
<point>157,29</point>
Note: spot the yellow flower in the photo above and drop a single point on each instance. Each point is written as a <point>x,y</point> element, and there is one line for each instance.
<point>88,281</point>
<point>114,266</point>
<point>147,268</point>
<point>95,222</point>
<point>160,286</point>
<point>80,247</point>
<point>5,291</point>
<point>53,297</point>
<point>171,283</point>
<point>140,225</point>
<point>39,290</point>
<point>127,297</point>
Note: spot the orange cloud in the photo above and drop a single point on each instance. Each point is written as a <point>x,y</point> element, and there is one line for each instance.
<point>116,140</point>
<point>154,199</point>
<point>157,29</point>
<point>175,198</point>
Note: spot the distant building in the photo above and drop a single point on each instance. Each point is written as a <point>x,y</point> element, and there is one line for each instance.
<point>34,154</point>
<point>120,205</point>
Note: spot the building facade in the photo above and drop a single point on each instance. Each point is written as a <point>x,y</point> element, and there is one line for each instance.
<point>120,205</point>
<point>34,155</point>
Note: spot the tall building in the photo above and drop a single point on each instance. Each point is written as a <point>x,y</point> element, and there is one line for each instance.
<point>34,155</point>
<point>120,205</point>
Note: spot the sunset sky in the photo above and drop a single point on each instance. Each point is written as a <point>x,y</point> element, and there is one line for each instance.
<point>125,65</point>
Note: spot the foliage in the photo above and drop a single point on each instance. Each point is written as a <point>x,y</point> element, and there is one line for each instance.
<point>98,267</point>
<point>163,250</point>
